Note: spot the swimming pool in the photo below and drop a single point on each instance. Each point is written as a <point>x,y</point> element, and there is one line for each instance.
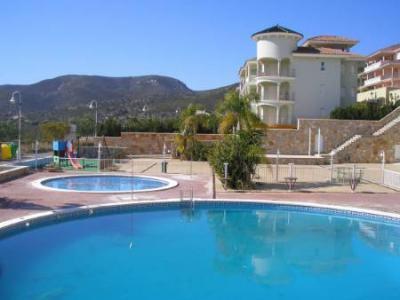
<point>105,183</point>
<point>211,252</point>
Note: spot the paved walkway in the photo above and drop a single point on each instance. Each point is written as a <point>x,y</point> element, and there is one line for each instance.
<point>19,197</point>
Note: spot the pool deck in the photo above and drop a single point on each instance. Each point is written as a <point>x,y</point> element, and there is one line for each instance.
<point>20,198</point>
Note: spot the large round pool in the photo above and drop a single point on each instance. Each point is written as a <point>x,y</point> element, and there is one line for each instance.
<point>105,183</point>
<point>211,252</point>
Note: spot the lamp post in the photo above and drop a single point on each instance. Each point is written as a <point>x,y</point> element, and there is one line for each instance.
<point>18,102</point>
<point>93,104</point>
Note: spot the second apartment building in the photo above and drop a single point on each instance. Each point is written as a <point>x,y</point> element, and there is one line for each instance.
<point>306,81</point>
<point>380,79</point>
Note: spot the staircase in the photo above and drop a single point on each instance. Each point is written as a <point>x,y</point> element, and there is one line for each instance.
<point>346,144</point>
<point>392,119</point>
<point>389,125</point>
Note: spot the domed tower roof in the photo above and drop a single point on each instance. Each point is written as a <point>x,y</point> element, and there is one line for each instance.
<point>277,29</point>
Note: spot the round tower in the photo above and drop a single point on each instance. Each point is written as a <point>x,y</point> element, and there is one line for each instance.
<point>275,74</point>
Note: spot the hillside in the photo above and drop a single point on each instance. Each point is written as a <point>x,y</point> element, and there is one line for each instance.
<point>68,96</point>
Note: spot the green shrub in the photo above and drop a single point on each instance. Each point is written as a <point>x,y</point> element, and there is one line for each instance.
<point>189,148</point>
<point>363,111</point>
<point>242,152</point>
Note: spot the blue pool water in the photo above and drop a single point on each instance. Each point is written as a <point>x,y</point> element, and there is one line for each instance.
<point>211,253</point>
<point>104,183</point>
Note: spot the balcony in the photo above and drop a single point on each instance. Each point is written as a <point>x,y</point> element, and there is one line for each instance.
<point>273,100</point>
<point>274,75</point>
<point>372,81</point>
<point>250,79</point>
<point>374,66</point>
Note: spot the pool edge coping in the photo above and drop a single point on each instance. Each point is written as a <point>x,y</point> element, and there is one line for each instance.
<point>38,184</point>
<point>47,215</point>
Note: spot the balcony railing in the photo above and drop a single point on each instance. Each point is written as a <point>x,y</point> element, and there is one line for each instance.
<point>274,73</point>
<point>373,80</point>
<point>389,76</point>
<point>373,66</point>
<point>282,97</point>
<point>250,78</point>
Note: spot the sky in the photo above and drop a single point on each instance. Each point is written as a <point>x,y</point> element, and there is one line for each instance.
<point>202,43</point>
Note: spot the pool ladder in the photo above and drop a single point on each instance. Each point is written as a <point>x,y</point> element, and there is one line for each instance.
<point>186,197</point>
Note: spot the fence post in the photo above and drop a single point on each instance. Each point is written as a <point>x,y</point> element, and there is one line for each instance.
<point>225,174</point>
<point>98,157</point>
<point>290,169</point>
<point>277,166</point>
<point>214,193</point>
<point>332,161</point>
<point>309,141</point>
<point>36,153</point>
<point>319,142</point>
<point>383,166</point>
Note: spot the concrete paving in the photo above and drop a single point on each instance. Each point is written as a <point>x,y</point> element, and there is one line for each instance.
<point>19,197</point>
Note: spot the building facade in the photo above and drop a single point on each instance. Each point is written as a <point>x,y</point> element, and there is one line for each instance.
<point>380,79</point>
<point>293,81</point>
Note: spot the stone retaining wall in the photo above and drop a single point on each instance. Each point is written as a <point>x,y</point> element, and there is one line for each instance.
<point>369,148</point>
<point>289,141</point>
<point>150,143</point>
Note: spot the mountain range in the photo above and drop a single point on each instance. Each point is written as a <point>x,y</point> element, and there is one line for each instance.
<point>66,97</point>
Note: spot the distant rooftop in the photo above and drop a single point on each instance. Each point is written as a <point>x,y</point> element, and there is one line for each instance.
<point>325,51</point>
<point>277,29</point>
<point>391,49</point>
<point>331,40</point>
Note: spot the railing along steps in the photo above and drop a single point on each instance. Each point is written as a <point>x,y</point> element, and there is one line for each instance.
<point>389,125</point>
<point>346,144</point>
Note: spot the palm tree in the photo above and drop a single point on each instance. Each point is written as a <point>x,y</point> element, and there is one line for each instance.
<point>191,120</point>
<point>236,111</point>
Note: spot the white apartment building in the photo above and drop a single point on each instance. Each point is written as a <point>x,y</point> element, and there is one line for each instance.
<point>380,79</point>
<point>306,81</point>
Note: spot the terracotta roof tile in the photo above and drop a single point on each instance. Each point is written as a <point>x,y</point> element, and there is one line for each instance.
<point>331,38</point>
<point>325,51</point>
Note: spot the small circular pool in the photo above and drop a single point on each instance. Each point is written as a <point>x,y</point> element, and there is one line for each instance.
<point>211,251</point>
<point>105,183</point>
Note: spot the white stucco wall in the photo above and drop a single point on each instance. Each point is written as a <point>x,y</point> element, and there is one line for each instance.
<point>276,47</point>
<point>317,92</point>
<point>349,82</point>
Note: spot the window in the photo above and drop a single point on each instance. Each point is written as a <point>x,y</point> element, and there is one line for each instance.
<point>322,66</point>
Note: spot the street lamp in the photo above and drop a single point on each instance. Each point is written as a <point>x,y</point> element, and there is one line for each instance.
<point>18,102</point>
<point>93,105</point>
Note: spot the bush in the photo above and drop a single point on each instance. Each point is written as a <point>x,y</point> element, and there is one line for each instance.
<point>242,152</point>
<point>50,131</point>
<point>189,148</point>
<point>110,127</point>
<point>363,111</point>
<point>151,125</point>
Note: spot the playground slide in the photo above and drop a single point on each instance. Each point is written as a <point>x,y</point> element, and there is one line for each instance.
<point>74,162</point>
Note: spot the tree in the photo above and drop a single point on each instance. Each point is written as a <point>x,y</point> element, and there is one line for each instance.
<point>50,131</point>
<point>236,110</point>
<point>191,120</point>
<point>8,131</point>
<point>85,125</point>
<point>151,124</point>
<point>242,152</point>
<point>111,127</point>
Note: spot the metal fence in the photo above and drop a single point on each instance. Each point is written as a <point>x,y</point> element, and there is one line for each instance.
<point>145,166</point>
<point>391,179</point>
<point>307,176</point>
